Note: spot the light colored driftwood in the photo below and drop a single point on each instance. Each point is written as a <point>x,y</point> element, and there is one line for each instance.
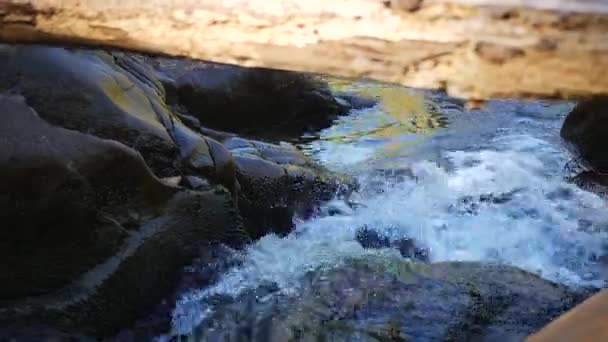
<point>473,48</point>
<point>587,322</point>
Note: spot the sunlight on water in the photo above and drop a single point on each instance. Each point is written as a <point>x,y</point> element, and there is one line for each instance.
<point>498,195</point>
<point>403,117</point>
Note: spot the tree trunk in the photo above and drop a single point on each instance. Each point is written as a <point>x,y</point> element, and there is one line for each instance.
<point>475,49</point>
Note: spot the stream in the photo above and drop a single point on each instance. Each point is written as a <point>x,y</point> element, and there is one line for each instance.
<point>487,185</point>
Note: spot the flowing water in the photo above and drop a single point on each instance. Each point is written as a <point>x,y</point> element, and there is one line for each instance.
<point>481,185</point>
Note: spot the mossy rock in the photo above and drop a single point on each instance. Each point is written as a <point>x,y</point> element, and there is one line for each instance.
<point>391,299</point>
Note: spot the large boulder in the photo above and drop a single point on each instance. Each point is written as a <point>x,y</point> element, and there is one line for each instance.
<point>584,130</point>
<point>394,300</point>
<point>112,96</point>
<point>254,102</point>
<point>91,239</point>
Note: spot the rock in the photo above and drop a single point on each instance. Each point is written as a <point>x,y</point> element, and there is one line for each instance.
<point>394,300</point>
<point>584,132</point>
<point>407,247</point>
<point>212,261</point>
<point>111,96</point>
<point>91,238</point>
<point>107,193</point>
<point>257,102</point>
<point>88,92</point>
<point>118,96</point>
<point>356,102</point>
<point>278,182</point>
<point>195,183</point>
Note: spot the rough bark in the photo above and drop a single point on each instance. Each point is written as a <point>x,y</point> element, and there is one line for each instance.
<point>472,48</point>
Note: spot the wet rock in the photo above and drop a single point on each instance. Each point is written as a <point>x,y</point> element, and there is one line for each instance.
<point>591,181</point>
<point>470,205</point>
<point>88,92</point>
<point>260,103</point>
<point>212,261</point>
<point>257,102</point>
<point>395,300</point>
<point>119,96</point>
<point>111,96</point>
<point>276,183</point>
<point>356,102</point>
<point>584,132</point>
<point>407,247</point>
<point>91,238</point>
<point>41,333</point>
<point>196,183</point>
<point>106,190</point>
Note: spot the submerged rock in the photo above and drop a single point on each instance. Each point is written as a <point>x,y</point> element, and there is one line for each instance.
<point>407,247</point>
<point>91,239</point>
<point>394,300</point>
<point>356,102</point>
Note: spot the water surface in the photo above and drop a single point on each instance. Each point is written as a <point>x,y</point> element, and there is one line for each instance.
<point>484,185</point>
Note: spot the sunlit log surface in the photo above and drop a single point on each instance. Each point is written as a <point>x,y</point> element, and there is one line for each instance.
<point>587,322</point>
<point>472,48</point>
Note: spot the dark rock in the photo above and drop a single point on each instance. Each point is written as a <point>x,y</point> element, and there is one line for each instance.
<point>119,97</point>
<point>584,131</point>
<point>257,102</point>
<point>88,92</point>
<point>41,333</point>
<point>277,182</point>
<point>592,182</point>
<point>196,183</point>
<point>357,102</point>
<point>395,300</point>
<point>111,96</point>
<point>407,247</point>
<point>106,192</point>
<point>212,261</point>
<point>372,239</point>
<point>91,239</point>
<point>470,205</point>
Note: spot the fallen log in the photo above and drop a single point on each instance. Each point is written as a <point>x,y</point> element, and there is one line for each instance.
<point>475,49</point>
<point>586,322</point>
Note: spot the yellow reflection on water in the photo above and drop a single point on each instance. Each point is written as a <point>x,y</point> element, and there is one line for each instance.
<point>401,112</point>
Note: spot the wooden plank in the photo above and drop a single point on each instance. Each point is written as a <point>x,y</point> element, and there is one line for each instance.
<point>587,322</point>
<point>475,49</point>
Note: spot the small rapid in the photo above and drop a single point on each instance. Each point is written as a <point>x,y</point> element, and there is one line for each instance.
<point>488,185</point>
